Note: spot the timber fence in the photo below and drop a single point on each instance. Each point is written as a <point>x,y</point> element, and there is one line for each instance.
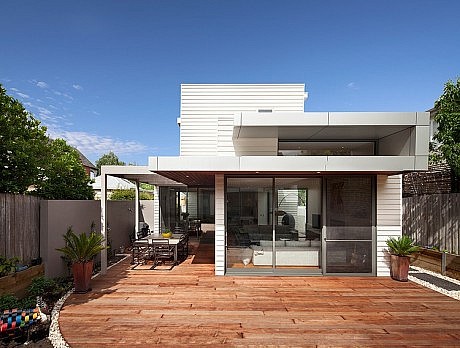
<point>19,227</point>
<point>433,220</point>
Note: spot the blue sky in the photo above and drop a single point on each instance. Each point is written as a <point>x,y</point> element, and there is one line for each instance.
<point>106,75</point>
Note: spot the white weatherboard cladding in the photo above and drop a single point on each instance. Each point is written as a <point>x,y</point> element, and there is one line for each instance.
<point>389,217</point>
<point>156,209</point>
<point>206,110</point>
<point>219,252</point>
<point>224,136</point>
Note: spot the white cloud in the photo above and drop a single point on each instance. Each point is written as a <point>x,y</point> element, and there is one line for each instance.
<point>22,95</point>
<point>96,113</point>
<point>96,144</point>
<point>42,84</point>
<point>14,89</point>
<point>352,85</point>
<point>77,87</point>
<point>43,111</point>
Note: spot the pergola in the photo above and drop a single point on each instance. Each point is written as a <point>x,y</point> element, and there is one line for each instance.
<point>137,174</point>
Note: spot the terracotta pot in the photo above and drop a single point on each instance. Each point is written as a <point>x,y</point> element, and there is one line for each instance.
<point>82,272</point>
<point>399,267</point>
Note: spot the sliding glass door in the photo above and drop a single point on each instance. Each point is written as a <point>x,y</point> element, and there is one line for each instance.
<point>273,225</point>
<point>249,224</point>
<point>297,242</point>
<point>301,225</point>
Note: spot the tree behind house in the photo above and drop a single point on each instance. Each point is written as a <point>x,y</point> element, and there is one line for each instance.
<point>63,176</point>
<point>108,159</point>
<point>30,160</point>
<point>23,144</point>
<point>447,115</point>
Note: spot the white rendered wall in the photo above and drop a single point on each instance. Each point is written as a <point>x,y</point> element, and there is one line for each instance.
<point>207,112</point>
<point>389,217</point>
<point>219,225</point>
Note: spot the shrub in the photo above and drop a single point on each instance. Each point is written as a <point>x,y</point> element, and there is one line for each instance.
<point>8,301</point>
<point>7,266</point>
<point>50,290</point>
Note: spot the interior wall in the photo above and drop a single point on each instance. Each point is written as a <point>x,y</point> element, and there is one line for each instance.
<point>148,213</point>
<point>314,203</point>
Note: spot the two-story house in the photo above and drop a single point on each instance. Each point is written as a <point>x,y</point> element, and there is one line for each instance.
<point>288,191</point>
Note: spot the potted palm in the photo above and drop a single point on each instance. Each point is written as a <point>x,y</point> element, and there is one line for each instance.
<point>400,249</point>
<point>80,250</point>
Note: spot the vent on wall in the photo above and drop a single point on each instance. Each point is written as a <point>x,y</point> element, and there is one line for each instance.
<point>265,110</point>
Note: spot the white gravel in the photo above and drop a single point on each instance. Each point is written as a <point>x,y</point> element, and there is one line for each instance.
<point>454,294</point>
<point>54,335</point>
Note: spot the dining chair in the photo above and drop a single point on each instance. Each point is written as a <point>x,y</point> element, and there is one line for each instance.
<point>182,247</point>
<point>142,252</point>
<point>162,252</point>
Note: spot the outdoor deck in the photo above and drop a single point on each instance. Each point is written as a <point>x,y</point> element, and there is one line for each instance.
<point>189,306</point>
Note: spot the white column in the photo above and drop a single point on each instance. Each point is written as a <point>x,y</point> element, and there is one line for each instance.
<point>136,212</point>
<point>104,221</point>
<point>219,252</point>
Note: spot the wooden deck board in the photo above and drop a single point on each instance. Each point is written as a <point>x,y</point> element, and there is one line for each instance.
<point>189,306</point>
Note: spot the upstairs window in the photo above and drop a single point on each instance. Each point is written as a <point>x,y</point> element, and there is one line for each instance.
<point>326,148</point>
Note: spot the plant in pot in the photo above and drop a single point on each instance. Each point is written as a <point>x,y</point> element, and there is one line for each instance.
<point>80,250</point>
<point>400,249</point>
<point>167,233</point>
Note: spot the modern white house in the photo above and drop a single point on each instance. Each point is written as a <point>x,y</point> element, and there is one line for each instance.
<point>288,191</point>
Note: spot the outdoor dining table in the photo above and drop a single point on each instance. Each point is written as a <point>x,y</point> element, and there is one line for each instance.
<point>173,240</point>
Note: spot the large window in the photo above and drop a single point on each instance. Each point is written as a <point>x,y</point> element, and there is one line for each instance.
<point>273,224</point>
<point>200,204</point>
<point>178,205</point>
<point>326,148</point>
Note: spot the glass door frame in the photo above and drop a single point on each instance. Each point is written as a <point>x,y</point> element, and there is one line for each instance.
<point>273,270</point>
<point>300,270</point>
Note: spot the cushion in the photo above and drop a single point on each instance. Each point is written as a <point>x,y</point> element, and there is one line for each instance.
<point>269,243</point>
<point>298,243</point>
<point>265,243</point>
<point>315,243</point>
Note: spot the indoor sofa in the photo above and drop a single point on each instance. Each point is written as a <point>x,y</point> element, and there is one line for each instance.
<point>288,253</point>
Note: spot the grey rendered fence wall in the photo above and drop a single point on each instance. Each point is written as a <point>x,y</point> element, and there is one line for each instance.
<point>19,226</point>
<point>433,220</point>
<point>31,227</point>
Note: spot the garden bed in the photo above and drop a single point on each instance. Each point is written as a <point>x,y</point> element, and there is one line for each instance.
<point>437,261</point>
<point>17,283</point>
